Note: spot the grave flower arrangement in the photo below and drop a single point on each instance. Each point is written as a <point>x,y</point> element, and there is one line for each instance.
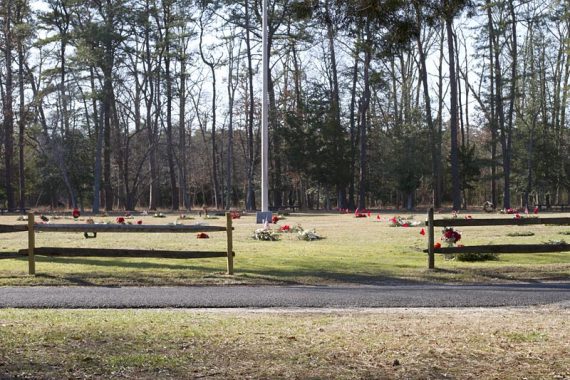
<point>308,235</point>
<point>290,229</point>
<point>450,236</point>
<point>265,233</point>
<point>398,221</point>
<point>361,213</point>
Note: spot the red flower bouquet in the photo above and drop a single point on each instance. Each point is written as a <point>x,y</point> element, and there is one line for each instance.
<point>450,236</point>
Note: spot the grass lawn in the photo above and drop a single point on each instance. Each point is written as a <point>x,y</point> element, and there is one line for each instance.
<point>504,343</point>
<point>355,250</point>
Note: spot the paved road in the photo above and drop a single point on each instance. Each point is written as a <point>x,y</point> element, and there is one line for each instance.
<point>287,296</point>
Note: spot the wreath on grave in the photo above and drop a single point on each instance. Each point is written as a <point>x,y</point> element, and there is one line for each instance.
<point>488,206</point>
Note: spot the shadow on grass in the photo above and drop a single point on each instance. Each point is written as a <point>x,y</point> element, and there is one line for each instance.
<point>301,277</point>
<point>184,273</point>
<point>118,263</point>
<point>503,274</point>
<point>169,274</point>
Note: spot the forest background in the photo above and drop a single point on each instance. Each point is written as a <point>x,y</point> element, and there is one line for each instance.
<point>124,104</point>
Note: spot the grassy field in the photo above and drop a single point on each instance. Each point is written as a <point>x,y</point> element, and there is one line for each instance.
<point>354,251</point>
<point>504,343</point>
<point>531,343</point>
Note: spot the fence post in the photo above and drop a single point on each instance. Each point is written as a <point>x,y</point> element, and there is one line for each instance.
<point>31,245</point>
<point>229,232</point>
<point>431,240</point>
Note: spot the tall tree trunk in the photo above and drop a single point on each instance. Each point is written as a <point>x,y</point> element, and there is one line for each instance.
<point>335,102</point>
<point>22,120</point>
<point>492,111</point>
<point>212,66</point>
<point>512,97</point>
<point>233,64</point>
<point>250,172</point>
<point>108,90</point>
<point>98,147</point>
<point>455,179</point>
<point>7,105</point>
<point>175,204</point>
<point>107,68</point>
<point>427,105</point>
<point>152,129</point>
<point>183,165</point>
<point>439,134</point>
<point>353,132</point>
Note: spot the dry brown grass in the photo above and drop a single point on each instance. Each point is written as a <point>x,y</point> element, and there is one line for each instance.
<point>505,343</point>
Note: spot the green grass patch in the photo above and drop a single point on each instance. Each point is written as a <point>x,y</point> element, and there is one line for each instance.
<point>520,234</point>
<point>353,251</point>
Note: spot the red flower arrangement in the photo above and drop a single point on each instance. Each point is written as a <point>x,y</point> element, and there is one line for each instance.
<point>235,214</point>
<point>75,213</point>
<point>361,213</point>
<point>275,219</point>
<point>202,235</point>
<point>285,228</point>
<point>120,220</point>
<point>450,236</point>
<point>139,221</point>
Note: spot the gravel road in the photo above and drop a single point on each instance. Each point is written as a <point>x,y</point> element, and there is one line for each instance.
<point>287,296</point>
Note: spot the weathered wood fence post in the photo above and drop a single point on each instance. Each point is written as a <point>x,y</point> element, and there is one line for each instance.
<point>31,245</point>
<point>229,231</point>
<point>431,240</point>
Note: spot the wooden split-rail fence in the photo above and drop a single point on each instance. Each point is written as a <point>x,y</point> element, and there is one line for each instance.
<point>431,223</point>
<point>87,228</point>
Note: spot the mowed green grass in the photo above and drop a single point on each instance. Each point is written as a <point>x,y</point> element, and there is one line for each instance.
<point>503,343</point>
<point>353,251</point>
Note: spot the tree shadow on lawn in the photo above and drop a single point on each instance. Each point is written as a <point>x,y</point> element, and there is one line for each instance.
<point>324,277</point>
<point>501,274</point>
<point>197,274</point>
<point>120,263</point>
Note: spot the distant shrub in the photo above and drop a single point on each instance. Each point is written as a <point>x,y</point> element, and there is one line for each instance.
<point>522,233</point>
<point>477,256</point>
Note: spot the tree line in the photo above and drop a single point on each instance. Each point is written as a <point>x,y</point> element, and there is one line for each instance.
<point>124,104</point>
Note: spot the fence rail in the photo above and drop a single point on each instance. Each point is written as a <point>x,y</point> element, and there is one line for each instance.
<point>491,248</point>
<point>31,227</point>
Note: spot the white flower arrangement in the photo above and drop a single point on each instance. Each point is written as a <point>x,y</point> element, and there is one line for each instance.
<point>265,233</point>
<point>308,235</point>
